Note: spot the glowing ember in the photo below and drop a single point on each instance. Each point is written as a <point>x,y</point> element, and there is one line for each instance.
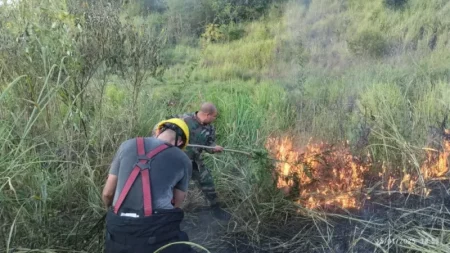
<point>321,176</point>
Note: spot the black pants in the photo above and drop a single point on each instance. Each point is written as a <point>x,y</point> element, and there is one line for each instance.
<point>145,235</point>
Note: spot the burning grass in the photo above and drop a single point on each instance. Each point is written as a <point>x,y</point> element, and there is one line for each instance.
<point>322,175</point>
<point>394,216</point>
<point>436,164</point>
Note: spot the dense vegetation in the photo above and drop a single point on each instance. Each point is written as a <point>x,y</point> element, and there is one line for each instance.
<point>79,77</point>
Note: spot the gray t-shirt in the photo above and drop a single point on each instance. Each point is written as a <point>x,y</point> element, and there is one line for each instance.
<point>169,169</point>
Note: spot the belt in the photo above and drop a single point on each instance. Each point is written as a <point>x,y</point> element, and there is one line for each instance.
<point>150,240</point>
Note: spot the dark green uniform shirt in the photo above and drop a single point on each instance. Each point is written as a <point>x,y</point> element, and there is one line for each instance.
<point>198,134</point>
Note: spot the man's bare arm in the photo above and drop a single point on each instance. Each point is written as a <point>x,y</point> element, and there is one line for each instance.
<point>109,190</point>
<point>178,197</point>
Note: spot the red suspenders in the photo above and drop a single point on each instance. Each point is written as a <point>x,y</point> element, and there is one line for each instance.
<point>143,167</point>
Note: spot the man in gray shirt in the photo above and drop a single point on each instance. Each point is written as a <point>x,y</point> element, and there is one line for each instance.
<point>146,186</point>
<point>170,170</point>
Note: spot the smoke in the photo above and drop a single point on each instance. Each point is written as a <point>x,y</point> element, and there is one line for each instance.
<point>317,27</point>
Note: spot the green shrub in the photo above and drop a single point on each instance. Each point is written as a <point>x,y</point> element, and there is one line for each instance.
<point>369,42</point>
<point>212,34</point>
<point>232,31</point>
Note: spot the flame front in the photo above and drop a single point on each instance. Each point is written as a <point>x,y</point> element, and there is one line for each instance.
<point>436,163</point>
<point>320,176</point>
<point>435,166</point>
<point>324,175</point>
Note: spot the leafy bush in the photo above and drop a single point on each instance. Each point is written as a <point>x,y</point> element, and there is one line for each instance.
<point>192,18</point>
<point>232,31</point>
<point>212,34</point>
<point>370,43</point>
<point>222,33</point>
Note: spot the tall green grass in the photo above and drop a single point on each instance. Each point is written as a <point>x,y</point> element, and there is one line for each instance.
<point>51,191</point>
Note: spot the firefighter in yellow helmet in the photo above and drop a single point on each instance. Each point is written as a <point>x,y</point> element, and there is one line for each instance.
<point>145,214</point>
<point>179,126</point>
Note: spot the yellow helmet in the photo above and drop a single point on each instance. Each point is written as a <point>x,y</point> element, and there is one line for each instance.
<point>178,125</point>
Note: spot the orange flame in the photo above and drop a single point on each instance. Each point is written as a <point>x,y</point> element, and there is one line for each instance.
<point>436,163</point>
<point>434,167</point>
<point>324,175</point>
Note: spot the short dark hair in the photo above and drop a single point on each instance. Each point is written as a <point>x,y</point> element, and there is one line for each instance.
<point>208,108</point>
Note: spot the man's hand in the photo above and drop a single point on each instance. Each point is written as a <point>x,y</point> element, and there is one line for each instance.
<point>109,190</point>
<point>218,148</point>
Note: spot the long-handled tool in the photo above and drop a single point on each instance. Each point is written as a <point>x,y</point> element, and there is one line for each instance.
<point>250,154</point>
<point>225,149</point>
<point>264,155</point>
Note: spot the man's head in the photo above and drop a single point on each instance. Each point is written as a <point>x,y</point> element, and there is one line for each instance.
<point>207,113</point>
<point>174,131</point>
